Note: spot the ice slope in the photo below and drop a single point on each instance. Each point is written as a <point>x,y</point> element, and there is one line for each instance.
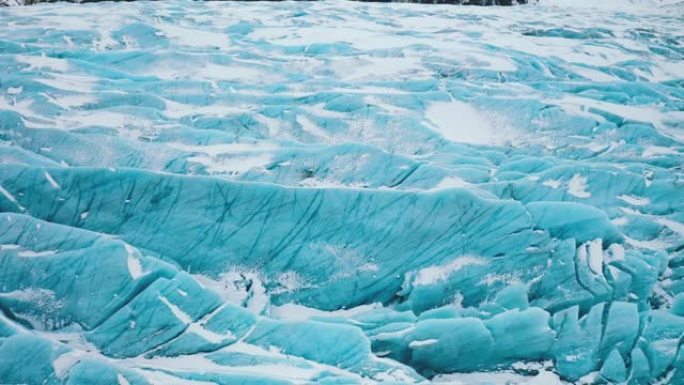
<point>341,193</point>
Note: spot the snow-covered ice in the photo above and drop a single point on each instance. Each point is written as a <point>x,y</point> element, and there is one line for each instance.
<point>342,193</point>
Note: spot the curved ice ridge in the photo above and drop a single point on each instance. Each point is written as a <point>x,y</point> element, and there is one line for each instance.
<point>341,193</point>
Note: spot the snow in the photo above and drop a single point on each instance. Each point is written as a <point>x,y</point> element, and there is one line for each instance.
<point>11,198</point>
<point>43,62</point>
<point>50,180</point>
<point>232,165</point>
<point>418,344</point>
<point>552,183</point>
<point>311,128</point>
<point>14,90</point>
<point>499,378</point>
<point>258,300</point>
<point>461,122</point>
<point>651,151</point>
<point>207,334</point>
<point>122,380</point>
<point>160,378</point>
<point>452,182</point>
<point>70,101</point>
<point>230,158</point>
<point>31,253</point>
<point>635,113</point>
<point>577,186</point>
<point>64,362</point>
<point>193,37</point>
<point>676,227</point>
<point>634,200</point>
<point>616,252</point>
<point>295,312</point>
<point>432,274</point>
<point>214,150</point>
<point>595,256</point>
<point>135,268</point>
<point>69,82</point>
<point>344,192</point>
<point>177,312</point>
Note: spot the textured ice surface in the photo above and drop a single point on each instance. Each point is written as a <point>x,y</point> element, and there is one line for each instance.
<point>341,193</point>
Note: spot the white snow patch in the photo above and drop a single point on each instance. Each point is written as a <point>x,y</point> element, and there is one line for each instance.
<point>651,151</point>
<point>233,165</point>
<point>393,376</point>
<point>544,377</point>
<point>258,300</point>
<point>78,118</point>
<point>31,253</point>
<point>654,244</point>
<point>64,362</point>
<point>226,148</point>
<point>369,267</point>
<point>122,380</point>
<point>156,377</point>
<point>595,256</point>
<point>312,128</point>
<point>14,90</point>
<point>69,101</point>
<point>616,252</point>
<point>634,200</point>
<point>68,82</point>
<point>582,106</point>
<point>51,180</point>
<point>508,278</point>
<point>330,183</point>
<point>460,122</point>
<point>42,62</point>
<point>592,74</point>
<point>11,198</point>
<point>194,362</point>
<point>230,158</point>
<point>577,186</point>
<point>208,335</point>
<point>553,183</point>
<point>231,73</point>
<point>180,314</point>
<point>194,37</point>
<point>451,182</point>
<point>420,343</point>
<point>432,274</point>
<point>230,286</point>
<point>675,226</point>
<point>383,336</point>
<point>296,312</point>
<point>135,268</point>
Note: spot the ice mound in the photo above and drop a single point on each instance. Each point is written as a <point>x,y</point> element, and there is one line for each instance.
<point>341,193</point>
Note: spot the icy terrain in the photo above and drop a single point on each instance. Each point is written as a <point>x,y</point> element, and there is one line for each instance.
<point>342,193</point>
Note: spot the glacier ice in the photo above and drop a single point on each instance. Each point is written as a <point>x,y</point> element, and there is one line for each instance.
<point>341,193</point>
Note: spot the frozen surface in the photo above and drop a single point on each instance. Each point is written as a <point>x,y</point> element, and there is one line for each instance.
<point>342,193</point>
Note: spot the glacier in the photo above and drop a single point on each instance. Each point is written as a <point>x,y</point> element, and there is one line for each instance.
<point>342,193</point>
